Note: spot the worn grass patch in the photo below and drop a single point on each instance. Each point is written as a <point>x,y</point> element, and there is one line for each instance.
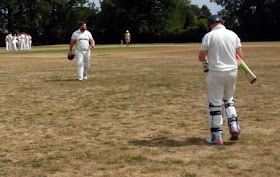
<point>140,113</point>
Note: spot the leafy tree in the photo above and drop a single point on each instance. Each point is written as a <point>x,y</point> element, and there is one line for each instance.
<point>53,21</point>
<point>183,7</point>
<point>48,21</point>
<point>204,12</point>
<point>190,18</point>
<point>195,9</point>
<point>146,17</point>
<point>256,20</point>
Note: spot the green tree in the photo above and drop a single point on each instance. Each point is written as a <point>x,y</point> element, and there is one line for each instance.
<point>48,21</point>
<point>183,8</point>
<point>256,20</point>
<point>195,9</point>
<point>190,18</point>
<point>53,21</point>
<point>204,12</point>
<point>146,17</point>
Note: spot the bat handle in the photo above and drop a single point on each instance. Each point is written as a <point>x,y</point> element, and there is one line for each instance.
<point>237,57</point>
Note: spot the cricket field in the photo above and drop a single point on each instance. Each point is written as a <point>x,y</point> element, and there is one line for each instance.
<point>140,113</point>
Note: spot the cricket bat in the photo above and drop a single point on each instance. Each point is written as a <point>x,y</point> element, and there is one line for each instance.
<point>245,70</point>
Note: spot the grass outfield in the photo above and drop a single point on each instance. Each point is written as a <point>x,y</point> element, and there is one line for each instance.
<point>140,113</point>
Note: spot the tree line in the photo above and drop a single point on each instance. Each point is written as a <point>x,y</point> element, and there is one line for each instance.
<point>253,20</point>
<point>53,21</point>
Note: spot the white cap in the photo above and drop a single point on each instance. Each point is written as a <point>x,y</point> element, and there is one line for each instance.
<point>127,31</point>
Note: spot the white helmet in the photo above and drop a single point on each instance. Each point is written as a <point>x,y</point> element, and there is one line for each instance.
<point>127,31</point>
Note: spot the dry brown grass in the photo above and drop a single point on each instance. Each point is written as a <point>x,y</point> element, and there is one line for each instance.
<point>140,113</point>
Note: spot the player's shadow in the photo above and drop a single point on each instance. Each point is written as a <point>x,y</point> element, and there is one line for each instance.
<point>164,141</point>
<point>61,80</point>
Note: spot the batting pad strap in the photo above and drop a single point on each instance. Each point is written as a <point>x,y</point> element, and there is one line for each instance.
<point>214,113</point>
<point>216,129</point>
<point>232,119</point>
<point>228,104</point>
<point>215,110</point>
<point>213,106</point>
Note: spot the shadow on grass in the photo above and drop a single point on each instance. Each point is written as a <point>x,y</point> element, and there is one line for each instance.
<point>163,141</point>
<point>62,80</point>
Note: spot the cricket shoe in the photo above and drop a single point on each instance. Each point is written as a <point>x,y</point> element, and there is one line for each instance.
<point>234,132</point>
<point>85,76</point>
<point>214,139</point>
<point>234,129</point>
<point>80,79</point>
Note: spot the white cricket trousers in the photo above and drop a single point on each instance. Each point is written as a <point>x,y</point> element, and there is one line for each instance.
<point>8,46</point>
<point>220,88</point>
<point>14,44</point>
<point>83,62</point>
<point>22,45</point>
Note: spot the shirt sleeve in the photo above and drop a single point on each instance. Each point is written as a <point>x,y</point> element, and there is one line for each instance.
<point>89,35</point>
<point>74,36</point>
<point>205,43</point>
<point>238,44</point>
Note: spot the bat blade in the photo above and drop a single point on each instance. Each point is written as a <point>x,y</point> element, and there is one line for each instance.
<point>245,70</point>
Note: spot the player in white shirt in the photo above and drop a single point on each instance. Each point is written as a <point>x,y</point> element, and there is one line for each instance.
<point>8,40</point>
<point>14,42</point>
<point>26,45</point>
<point>22,41</point>
<point>81,39</point>
<point>30,42</point>
<point>7,43</point>
<point>18,37</point>
<point>219,48</point>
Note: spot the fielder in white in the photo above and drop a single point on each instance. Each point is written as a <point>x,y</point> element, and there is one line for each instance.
<point>30,42</point>
<point>219,48</point>
<point>81,39</point>
<point>22,41</point>
<point>14,42</point>
<point>8,40</point>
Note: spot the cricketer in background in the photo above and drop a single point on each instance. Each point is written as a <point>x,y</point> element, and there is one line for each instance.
<point>22,41</point>
<point>14,42</point>
<point>8,40</point>
<point>81,39</point>
<point>127,37</point>
<point>218,48</point>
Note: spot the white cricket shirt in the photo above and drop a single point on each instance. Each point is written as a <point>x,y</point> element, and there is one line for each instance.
<point>82,38</point>
<point>221,44</point>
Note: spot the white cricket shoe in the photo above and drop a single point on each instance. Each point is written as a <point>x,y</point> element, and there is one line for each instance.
<point>218,142</point>
<point>214,139</point>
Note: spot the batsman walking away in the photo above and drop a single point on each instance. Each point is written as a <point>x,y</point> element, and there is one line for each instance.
<point>81,39</point>
<point>219,48</point>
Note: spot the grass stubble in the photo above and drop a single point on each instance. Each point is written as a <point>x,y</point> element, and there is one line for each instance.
<point>140,113</point>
